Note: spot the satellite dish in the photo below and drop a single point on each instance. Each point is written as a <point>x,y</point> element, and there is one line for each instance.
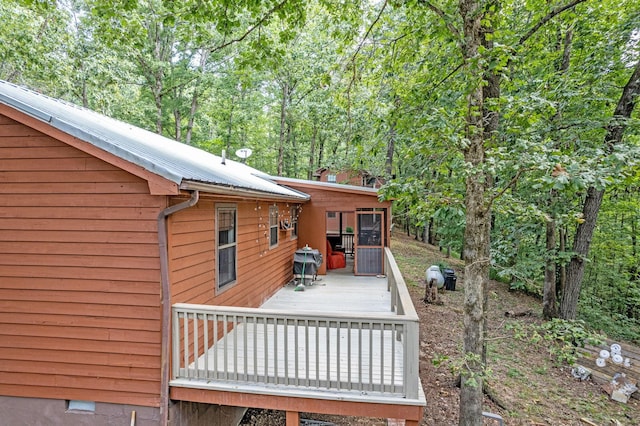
<point>244,153</point>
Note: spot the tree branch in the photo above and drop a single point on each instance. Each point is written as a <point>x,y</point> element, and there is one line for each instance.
<point>256,26</point>
<point>510,184</point>
<point>547,18</point>
<point>455,70</point>
<point>352,61</point>
<point>442,16</point>
<point>522,40</point>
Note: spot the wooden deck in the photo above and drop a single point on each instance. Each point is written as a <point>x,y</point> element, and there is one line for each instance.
<point>344,338</point>
<point>338,291</point>
<point>289,343</point>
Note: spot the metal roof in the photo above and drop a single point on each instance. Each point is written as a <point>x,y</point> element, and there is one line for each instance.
<point>365,190</point>
<point>180,163</point>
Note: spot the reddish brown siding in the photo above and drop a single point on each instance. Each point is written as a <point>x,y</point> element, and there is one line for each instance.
<point>261,270</point>
<point>79,274</point>
<point>350,178</point>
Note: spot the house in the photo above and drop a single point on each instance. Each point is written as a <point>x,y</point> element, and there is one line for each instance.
<point>350,177</point>
<point>125,257</point>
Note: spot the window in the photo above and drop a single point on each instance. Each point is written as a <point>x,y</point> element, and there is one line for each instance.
<point>82,406</point>
<point>226,225</point>
<point>331,178</point>
<point>273,226</point>
<point>294,222</point>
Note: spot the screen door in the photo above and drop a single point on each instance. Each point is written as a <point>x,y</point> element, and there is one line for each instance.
<point>369,250</point>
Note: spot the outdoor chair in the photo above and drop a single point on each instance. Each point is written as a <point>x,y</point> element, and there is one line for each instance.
<point>335,259</point>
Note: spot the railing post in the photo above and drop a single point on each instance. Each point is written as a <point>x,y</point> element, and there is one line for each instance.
<point>392,285</point>
<point>175,338</point>
<point>411,360</point>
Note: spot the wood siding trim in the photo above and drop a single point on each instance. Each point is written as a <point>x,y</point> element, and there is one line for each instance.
<point>79,271</point>
<point>157,185</point>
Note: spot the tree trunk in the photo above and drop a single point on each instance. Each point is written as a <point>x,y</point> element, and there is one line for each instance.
<point>157,73</point>
<point>291,155</point>
<point>204,55</point>
<point>591,207</point>
<point>549,305</point>
<point>283,125</point>
<point>157,96</point>
<point>391,144</point>
<point>562,281</point>
<point>633,269</point>
<point>490,122</point>
<point>230,127</point>
<point>388,166</point>
<point>320,151</point>
<point>581,243</point>
<point>85,95</point>
<point>408,223</point>
<point>178,120</point>
<point>476,234</point>
<point>312,150</point>
<point>432,233</point>
<point>550,288</point>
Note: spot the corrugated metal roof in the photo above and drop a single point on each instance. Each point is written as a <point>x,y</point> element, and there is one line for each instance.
<point>175,161</point>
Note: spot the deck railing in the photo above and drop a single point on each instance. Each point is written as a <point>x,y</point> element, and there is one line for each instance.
<point>313,350</point>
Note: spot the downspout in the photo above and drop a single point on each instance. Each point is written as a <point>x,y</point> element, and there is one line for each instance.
<point>166,302</point>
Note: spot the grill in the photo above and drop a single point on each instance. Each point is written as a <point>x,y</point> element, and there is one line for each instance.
<point>306,262</point>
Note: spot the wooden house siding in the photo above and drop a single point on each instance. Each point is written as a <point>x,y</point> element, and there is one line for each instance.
<point>79,274</point>
<point>261,269</point>
<point>351,177</point>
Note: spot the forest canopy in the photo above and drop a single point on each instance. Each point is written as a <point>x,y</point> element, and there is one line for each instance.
<point>386,87</point>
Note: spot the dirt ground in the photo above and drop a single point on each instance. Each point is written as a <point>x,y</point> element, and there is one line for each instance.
<point>527,384</point>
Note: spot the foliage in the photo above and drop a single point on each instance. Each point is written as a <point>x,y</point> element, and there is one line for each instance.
<point>560,337</point>
<point>457,365</point>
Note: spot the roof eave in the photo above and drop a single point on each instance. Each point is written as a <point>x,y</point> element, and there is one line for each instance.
<point>235,191</point>
<point>337,187</point>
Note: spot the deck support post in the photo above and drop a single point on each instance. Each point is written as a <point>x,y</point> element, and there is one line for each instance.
<point>293,418</point>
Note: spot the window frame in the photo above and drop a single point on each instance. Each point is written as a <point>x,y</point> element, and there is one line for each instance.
<point>225,208</point>
<point>274,226</point>
<point>293,211</point>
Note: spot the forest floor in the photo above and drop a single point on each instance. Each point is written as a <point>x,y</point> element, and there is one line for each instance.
<point>527,384</point>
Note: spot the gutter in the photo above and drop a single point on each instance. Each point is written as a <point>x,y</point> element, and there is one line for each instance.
<point>165,301</point>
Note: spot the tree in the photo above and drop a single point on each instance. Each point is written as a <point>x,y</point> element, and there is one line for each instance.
<point>477,230</point>
<point>591,207</point>
<point>32,52</point>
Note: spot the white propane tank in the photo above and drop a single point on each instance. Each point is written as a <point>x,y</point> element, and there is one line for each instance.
<point>433,272</point>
